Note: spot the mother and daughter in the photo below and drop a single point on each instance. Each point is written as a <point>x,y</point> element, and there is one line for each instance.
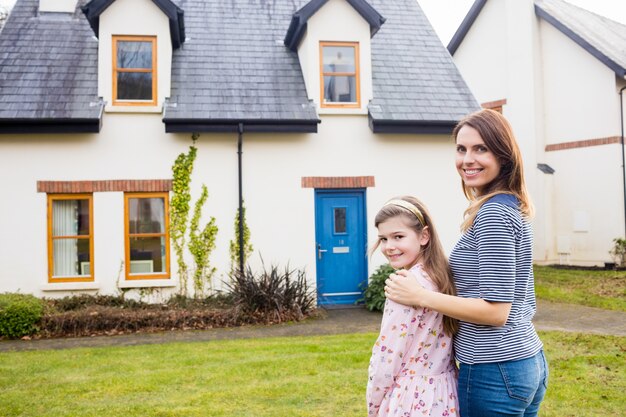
<point>475,310</point>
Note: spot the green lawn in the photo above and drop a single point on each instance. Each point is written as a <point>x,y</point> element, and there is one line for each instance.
<point>603,289</point>
<point>299,376</point>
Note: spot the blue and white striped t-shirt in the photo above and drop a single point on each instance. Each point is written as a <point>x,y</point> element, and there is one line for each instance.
<point>493,261</point>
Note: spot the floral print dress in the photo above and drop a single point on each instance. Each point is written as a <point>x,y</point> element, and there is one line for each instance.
<point>412,371</point>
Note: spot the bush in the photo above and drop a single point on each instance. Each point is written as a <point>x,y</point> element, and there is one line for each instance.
<point>20,315</point>
<point>285,295</point>
<point>374,292</point>
<point>79,302</point>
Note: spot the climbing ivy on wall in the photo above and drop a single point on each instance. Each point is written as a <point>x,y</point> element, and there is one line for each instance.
<point>234,244</point>
<point>201,243</point>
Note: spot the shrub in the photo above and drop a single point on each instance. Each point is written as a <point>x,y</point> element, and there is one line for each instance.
<point>20,314</point>
<point>79,302</point>
<point>374,292</point>
<point>618,252</point>
<point>284,295</point>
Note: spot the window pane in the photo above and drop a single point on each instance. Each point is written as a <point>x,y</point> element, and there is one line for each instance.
<point>134,54</point>
<point>71,257</point>
<point>70,218</point>
<point>340,220</point>
<point>134,86</point>
<point>339,59</point>
<point>147,255</point>
<point>146,215</point>
<point>340,89</point>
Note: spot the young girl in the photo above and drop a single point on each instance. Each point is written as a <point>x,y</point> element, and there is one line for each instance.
<point>411,370</point>
<point>503,371</point>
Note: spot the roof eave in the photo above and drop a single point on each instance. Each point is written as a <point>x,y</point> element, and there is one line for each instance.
<point>56,125</point>
<point>232,125</point>
<point>465,26</point>
<point>437,127</point>
<point>175,14</point>
<point>298,24</point>
<point>614,66</point>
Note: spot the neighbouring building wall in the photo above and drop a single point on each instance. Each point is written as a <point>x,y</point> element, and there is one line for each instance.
<point>582,104</point>
<point>280,213</point>
<point>500,60</point>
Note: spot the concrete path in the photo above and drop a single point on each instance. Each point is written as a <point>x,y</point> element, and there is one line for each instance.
<point>550,316</point>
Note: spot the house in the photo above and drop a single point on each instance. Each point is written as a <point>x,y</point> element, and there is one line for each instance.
<point>558,73</point>
<point>312,112</point>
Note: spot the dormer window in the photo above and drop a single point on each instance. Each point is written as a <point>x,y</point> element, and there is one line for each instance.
<point>134,71</point>
<point>340,74</point>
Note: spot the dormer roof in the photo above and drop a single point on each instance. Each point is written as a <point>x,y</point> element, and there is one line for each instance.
<point>175,14</point>
<point>297,27</point>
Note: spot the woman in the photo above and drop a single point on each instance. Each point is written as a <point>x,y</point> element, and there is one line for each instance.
<point>502,370</point>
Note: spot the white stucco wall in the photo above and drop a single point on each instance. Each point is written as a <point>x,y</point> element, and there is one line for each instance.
<point>579,90</point>
<point>482,57</point>
<point>280,213</point>
<point>336,21</point>
<point>120,18</point>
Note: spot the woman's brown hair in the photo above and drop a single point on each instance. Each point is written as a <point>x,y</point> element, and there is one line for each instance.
<point>498,136</point>
<point>432,256</point>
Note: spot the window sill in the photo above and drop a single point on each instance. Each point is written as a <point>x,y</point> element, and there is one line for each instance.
<point>133,109</point>
<point>148,283</point>
<point>71,286</point>
<point>341,110</point>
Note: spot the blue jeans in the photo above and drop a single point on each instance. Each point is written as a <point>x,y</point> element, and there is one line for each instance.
<point>511,388</point>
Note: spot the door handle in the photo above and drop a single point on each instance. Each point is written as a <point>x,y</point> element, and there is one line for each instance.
<point>320,251</point>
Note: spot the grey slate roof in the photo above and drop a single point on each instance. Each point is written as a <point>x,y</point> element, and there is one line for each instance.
<point>415,80</point>
<point>48,71</point>
<point>233,68</point>
<point>603,38</point>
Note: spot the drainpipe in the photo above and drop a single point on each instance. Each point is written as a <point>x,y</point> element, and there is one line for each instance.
<point>621,116</point>
<point>239,152</point>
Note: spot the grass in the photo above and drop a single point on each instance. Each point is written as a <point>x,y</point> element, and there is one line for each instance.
<point>299,376</point>
<point>602,289</point>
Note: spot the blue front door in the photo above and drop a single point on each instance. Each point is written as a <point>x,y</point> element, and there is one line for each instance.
<point>340,247</point>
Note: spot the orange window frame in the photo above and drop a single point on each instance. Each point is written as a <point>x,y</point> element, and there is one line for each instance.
<point>128,235</point>
<point>356,74</point>
<point>153,71</point>
<point>51,239</point>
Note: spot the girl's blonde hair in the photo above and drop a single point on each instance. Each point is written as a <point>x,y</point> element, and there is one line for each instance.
<point>498,136</point>
<point>432,256</point>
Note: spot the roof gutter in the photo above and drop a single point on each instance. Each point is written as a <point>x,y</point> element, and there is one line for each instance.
<point>233,125</point>
<point>61,125</point>
<point>441,127</point>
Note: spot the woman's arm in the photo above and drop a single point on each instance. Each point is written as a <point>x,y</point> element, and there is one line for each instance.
<point>402,288</point>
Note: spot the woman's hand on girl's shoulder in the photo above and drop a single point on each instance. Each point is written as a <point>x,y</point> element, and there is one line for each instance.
<point>403,288</point>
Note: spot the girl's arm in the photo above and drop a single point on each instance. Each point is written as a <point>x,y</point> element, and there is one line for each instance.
<point>402,288</point>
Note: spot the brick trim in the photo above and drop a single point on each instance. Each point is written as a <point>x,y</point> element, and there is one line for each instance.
<point>493,104</point>
<point>74,187</point>
<point>337,182</point>
<point>583,143</point>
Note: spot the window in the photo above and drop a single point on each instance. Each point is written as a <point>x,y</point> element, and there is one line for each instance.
<point>147,236</point>
<point>134,70</point>
<point>70,238</point>
<point>340,220</point>
<point>339,74</point>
